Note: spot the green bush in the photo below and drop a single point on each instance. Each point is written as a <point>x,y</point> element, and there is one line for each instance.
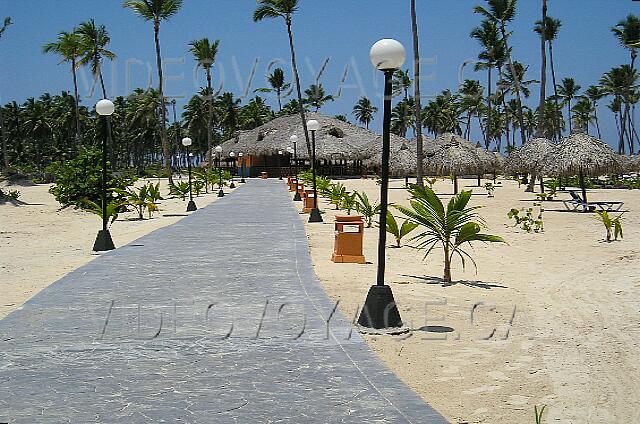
<point>81,178</point>
<point>143,198</point>
<point>181,189</point>
<point>366,208</point>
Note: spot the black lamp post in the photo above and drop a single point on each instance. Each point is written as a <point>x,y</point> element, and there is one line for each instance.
<point>314,126</point>
<point>191,206</point>
<point>280,164</point>
<point>103,240</point>
<point>241,156</point>
<point>290,151</point>
<point>219,152</point>
<point>380,310</point>
<point>232,155</point>
<point>294,140</point>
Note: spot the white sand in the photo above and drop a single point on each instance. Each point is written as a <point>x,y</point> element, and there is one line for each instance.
<point>573,344</point>
<point>39,243</point>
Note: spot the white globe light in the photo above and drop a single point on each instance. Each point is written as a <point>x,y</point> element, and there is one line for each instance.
<point>186,142</point>
<point>279,152</point>
<point>232,154</point>
<point>294,139</point>
<point>190,155</point>
<point>387,55</point>
<point>313,125</point>
<point>219,149</point>
<point>105,107</point>
<point>240,154</point>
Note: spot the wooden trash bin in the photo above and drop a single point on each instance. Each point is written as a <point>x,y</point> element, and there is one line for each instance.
<point>349,233</point>
<point>264,175</point>
<point>291,182</point>
<point>300,188</point>
<point>307,198</point>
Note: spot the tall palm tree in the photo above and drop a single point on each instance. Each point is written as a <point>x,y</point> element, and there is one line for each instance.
<point>94,40</point>
<point>255,113</point>
<point>501,12</point>
<point>583,114</point>
<point>5,24</point>
<point>402,117</point>
<point>594,93</point>
<point>157,11</point>
<point>401,83</point>
<point>619,82</point>
<point>543,69</point>
<point>316,97</point>
<point>417,96</point>
<point>364,111</point>
<point>285,9</point>
<point>567,91</point>
<point>278,84</point>
<point>5,153</point>
<point>205,54</point>
<point>551,27</point>
<point>470,93</point>
<point>68,47</point>
<point>491,57</point>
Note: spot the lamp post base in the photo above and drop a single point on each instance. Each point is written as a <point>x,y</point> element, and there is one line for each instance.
<point>221,193</point>
<point>297,197</point>
<point>380,310</point>
<point>232,185</point>
<point>315,216</point>
<point>242,181</point>
<point>191,206</point>
<point>103,242</point>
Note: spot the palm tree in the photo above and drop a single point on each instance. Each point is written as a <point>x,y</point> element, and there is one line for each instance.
<point>285,9</point>
<point>402,117</point>
<point>543,68</point>
<point>551,27</point>
<point>68,47</point>
<point>5,24</point>
<point>618,82</point>
<point>470,93</point>
<point>502,12</point>
<point>568,91</point>
<point>278,84</point>
<point>583,114</point>
<point>442,114</point>
<point>205,54</point>
<point>5,153</point>
<point>93,41</point>
<point>417,95</point>
<point>316,97</point>
<point>157,11</point>
<point>492,57</point>
<point>364,111</point>
<point>255,113</point>
<point>401,83</point>
<point>594,93</point>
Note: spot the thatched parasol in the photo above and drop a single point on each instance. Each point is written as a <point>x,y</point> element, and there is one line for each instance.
<point>402,155</point>
<point>530,157</point>
<point>455,156</point>
<point>580,154</point>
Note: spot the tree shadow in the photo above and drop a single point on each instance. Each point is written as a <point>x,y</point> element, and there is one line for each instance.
<point>474,284</point>
<point>435,329</point>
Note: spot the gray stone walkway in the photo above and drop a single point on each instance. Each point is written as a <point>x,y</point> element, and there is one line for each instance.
<point>218,318</point>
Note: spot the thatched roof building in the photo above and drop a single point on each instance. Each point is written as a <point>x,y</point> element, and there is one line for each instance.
<point>530,157</point>
<point>453,154</point>
<point>580,154</point>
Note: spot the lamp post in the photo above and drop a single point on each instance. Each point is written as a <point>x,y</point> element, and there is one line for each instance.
<point>314,126</point>
<point>294,140</point>
<point>280,164</point>
<point>290,151</point>
<point>241,156</point>
<point>103,240</point>
<point>191,206</point>
<point>380,310</point>
<point>219,152</point>
<point>232,155</point>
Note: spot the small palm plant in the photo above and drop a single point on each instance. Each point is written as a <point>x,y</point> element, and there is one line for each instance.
<point>197,186</point>
<point>399,231</point>
<point>113,208</point>
<point>612,225</point>
<point>451,228</point>
<point>323,185</point>
<point>181,189</point>
<point>335,194</point>
<point>348,202</point>
<point>144,198</point>
<point>366,209</point>
<point>539,413</point>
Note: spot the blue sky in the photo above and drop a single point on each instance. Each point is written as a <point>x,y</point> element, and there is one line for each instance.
<point>339,30</point>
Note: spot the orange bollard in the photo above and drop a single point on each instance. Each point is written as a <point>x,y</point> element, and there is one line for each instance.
<point>349,239</point>
<point>264,175</point>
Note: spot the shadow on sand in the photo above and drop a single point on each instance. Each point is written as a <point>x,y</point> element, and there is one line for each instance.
<point>475,284</point>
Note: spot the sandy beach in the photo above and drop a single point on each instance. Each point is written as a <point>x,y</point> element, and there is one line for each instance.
<point>548,319</point>
<point>40,242</point>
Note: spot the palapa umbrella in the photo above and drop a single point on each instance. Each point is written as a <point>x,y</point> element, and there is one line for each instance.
<point>402,155</point>
<point>453,155</point>
<point>580,154</point>
<point>530,158</point>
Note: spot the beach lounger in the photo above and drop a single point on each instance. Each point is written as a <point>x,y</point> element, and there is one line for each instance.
<point>578,204</point>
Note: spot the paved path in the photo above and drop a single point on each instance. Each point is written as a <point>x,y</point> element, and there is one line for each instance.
<point>218,318</point>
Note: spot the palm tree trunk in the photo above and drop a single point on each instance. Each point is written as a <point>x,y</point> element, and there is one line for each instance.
<point>5,153</point>
<point>209,118</point>
<point>555,86</point>
<point>467,131</point>
<point>487,135</point>
<point>447,264</point>
<point>595,114</point>
<point>299,91</point>
<point>516,81</point>
<point>166,149</point>
<point>76,102</point>
<point>570,125</point>
<point>417,96</point>
<point>278,94</point>
<point>543,72</point>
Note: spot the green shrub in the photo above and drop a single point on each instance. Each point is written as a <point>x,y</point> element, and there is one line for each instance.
<point>611,225</point>
<point>9,195</point>
<point>348,202</point>
<point>366,209</point>
<point>525,220</point>
<point>81,178</point>
<point>141,199</point>
<point>155,170</point>
<point>113,209</point>
<point>181,189</point>
<point>335,194</point>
